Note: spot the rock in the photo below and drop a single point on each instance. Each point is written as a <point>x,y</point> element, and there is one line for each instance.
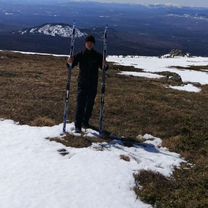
<point>172,78</point>
<point>125,158</point>
<point>176,53</point>
<point>3,57</point>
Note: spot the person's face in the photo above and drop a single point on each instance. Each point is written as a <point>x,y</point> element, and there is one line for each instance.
<point>89,45</point>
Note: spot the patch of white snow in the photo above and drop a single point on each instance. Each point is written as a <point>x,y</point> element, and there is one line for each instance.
<point>187,88</point>
<point>141,74</point>
<point>156,64</point>
<point>33,174</point>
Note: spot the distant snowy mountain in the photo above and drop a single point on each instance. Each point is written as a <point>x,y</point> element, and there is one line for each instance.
<point>61,30</point>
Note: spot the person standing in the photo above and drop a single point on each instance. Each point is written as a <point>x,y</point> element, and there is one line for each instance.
<point>89,61</point>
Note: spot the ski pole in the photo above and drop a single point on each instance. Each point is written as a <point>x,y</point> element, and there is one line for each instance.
<point>103,84</point>
<point>68,85</point>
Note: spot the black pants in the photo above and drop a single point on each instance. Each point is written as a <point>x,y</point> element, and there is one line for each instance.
<point>85,102</point>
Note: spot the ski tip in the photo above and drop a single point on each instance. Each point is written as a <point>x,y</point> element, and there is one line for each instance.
<point>102,134</point>
<point>63,134</point>
<point>73,25</point>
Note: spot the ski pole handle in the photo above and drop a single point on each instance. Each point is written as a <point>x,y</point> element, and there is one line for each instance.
<point>70,61</point>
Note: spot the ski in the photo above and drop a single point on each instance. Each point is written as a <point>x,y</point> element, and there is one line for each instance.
<point>68,85</point>
<point>103,84</point>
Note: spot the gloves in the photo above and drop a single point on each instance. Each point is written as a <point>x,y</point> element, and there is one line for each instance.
<point>70,60</point>
<point>106,67</point>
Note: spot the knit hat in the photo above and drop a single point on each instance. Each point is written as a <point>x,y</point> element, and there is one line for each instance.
<point>90,38</point>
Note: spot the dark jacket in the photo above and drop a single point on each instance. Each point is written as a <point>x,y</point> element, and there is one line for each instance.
<point>89,62</point>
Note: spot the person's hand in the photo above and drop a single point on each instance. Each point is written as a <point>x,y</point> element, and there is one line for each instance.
<point>106,67</point>
<point>70,60</point>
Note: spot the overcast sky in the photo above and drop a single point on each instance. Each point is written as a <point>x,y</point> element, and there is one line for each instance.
<point>192,3</point>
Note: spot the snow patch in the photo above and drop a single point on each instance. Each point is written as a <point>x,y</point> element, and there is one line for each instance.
<point>141,74</point>
<point>187,88</point>
<point>34,174</point>
<point>156,64</point>
<point>36,53</point>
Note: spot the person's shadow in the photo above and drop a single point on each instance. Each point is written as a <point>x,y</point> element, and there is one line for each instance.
<point>112,140</point>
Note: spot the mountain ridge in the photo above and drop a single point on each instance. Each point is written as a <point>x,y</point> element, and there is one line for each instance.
<point>53,29</point>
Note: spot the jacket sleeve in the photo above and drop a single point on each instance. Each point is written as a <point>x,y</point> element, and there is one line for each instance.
<point>77,59</point>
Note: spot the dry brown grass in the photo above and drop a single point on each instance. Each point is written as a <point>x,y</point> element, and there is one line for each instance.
<point>43,121</point>
<point>32,90</point>
<point>34,87</point>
